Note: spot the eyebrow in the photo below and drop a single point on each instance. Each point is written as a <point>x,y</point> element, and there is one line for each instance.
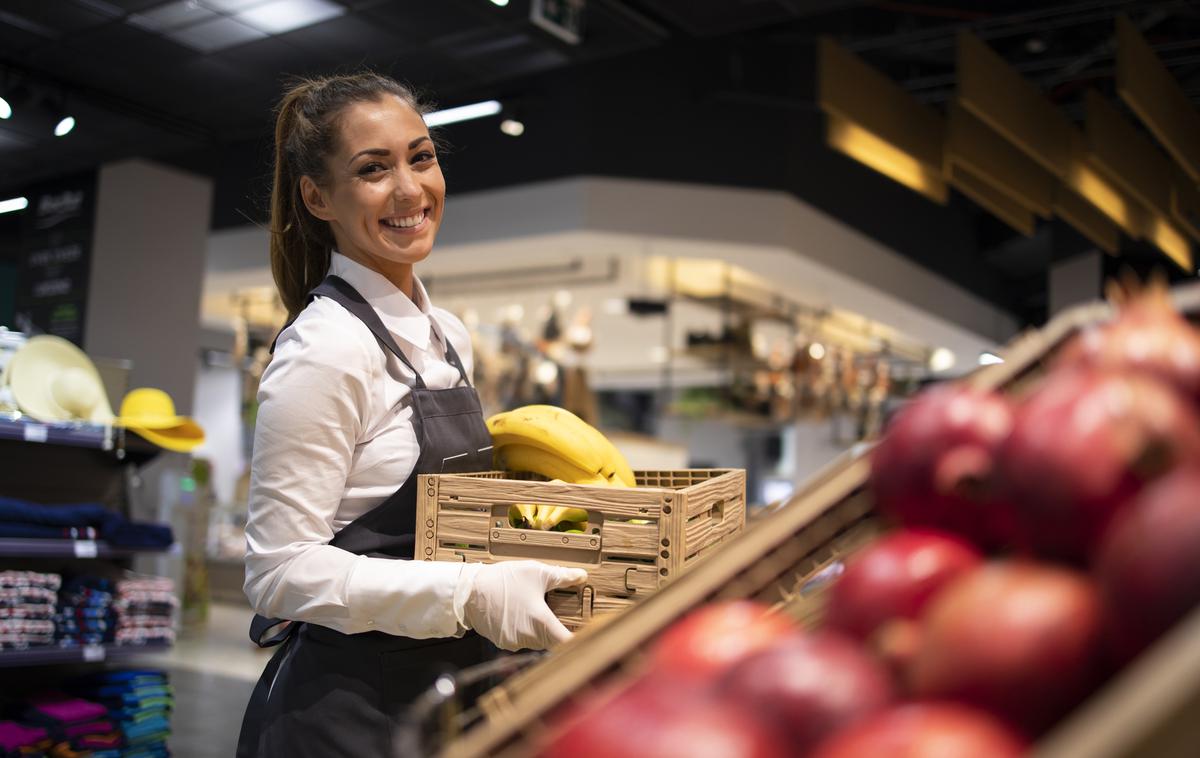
<point>384,151</point>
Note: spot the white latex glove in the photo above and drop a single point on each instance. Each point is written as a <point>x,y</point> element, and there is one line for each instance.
<point>506,603</point>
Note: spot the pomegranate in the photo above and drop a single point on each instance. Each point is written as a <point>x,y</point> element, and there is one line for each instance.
<point>1148,335</point>
<point>1085,442</point>
<point>808,685</point>
<point>925,730</point>
<point>707,641</point>
<point>894,577</point>
<point>934,466</point>
<point>1019,639</point>
<point>1148,564</point>
<point>650,721</point>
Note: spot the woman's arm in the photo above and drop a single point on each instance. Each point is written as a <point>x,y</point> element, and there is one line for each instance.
<point>313,400</point>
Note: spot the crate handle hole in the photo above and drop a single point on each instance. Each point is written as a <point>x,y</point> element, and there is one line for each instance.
<point>717,511</point>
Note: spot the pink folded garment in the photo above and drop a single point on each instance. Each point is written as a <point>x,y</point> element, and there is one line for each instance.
<point>68,710</point>
<point>14,735</point>
<point>91,727</point>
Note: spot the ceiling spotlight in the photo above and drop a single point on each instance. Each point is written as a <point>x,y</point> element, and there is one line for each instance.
<point>5,109</point>
<point>512,127</point>
<point>64,126</point>
<point>501,3</point>
<point>989,359</point>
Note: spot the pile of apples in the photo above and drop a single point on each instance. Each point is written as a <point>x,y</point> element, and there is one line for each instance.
<point>1042,541</point>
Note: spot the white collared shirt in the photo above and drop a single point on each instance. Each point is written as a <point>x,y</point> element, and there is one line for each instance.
<point>334,438</point>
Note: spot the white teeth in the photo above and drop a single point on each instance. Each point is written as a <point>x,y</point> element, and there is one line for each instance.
<point>407,222</point>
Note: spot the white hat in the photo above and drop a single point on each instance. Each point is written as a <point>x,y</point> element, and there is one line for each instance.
<point>52,380</point>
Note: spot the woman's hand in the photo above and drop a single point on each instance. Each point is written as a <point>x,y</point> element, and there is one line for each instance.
<point>506,603</point>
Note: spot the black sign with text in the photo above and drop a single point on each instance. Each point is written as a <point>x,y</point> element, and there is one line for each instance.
<point>54,265</point>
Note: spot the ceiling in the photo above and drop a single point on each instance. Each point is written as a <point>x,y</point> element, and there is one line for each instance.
<point>716,91</point>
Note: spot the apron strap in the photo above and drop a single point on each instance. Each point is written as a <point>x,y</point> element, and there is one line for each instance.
<point>339,290</point>
<point>453,359</point>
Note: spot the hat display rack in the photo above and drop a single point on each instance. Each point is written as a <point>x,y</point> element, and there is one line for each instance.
<point>48,380</point>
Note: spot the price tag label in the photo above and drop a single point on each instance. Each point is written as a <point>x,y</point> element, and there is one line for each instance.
<point>36,433</point>
<point>85,549</point>
<point>93,653</point>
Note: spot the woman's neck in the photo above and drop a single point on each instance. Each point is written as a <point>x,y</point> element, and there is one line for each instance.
<point>399,274</point>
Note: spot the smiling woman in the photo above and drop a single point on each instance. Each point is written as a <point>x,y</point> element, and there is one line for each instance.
<point>383,193</point>
<point>365,391</point>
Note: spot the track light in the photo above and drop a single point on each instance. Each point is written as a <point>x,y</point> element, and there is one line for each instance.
<point>64,126</point>
<point>5,109</point>
<point>512,127</point>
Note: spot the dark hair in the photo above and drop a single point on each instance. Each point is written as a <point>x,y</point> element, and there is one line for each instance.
<point>306,124</point>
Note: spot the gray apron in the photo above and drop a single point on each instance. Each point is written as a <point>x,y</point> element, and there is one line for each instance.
<point>325,693</point>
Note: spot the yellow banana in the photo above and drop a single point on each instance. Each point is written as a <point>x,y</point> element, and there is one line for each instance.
<point>552,516</point>
<point>521,457</point>
<point>601,455</point>
<point>526,512</point>
<point>551,429</point>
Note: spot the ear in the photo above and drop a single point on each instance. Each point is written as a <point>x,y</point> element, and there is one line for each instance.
<point>315,199</point>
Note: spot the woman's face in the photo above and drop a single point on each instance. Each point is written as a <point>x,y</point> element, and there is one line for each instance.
<point>385,192</point>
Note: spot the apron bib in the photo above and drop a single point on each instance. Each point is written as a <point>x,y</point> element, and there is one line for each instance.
<point>325,693</point>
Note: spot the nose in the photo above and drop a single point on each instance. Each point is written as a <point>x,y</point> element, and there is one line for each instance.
<point>407,186</point>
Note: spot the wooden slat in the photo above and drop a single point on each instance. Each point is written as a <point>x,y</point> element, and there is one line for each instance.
<point>623,538</point>
<point>703,531</point>
<point>458,526</point>
<point>725,487</point>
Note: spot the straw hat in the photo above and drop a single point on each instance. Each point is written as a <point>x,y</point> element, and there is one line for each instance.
<point>52,380</point>
<point>151,414</point>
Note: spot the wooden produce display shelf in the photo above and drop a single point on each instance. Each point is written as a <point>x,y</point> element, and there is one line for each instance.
<point>636,539</point>
<point>1148,709</point>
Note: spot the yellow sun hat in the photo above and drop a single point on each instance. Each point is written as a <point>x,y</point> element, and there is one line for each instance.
<point>52,380</point>
<point>150,413</point>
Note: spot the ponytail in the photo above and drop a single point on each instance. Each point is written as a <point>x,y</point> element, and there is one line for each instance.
<point>305,136</point>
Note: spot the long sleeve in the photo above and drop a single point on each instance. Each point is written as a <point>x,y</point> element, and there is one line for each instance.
<point>313,400</point>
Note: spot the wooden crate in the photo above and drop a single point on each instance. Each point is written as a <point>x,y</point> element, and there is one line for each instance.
<point>1149,709</point>
<point>636,540</point>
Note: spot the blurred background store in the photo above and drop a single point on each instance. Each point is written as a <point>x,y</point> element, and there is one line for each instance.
<point>719,240</point>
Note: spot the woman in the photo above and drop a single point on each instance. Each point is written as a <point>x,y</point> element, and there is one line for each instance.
<point>367,389</point>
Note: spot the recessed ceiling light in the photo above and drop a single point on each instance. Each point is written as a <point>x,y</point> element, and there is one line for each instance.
<point>512,127</point>
<point>280,16</point>
<point>13,204</point>
<point>5,109</point>
<point>462,113</point>
<point>64,126</point>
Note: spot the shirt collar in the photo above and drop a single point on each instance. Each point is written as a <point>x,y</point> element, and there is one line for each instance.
<point>403,317</point>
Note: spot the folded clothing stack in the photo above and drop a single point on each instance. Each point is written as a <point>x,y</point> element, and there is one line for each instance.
<point>23,740</point>
<point>27,600</point>
<point>21,518</point>
<point>139,702</point>
<point>74,725</point>
<point>86,615</point>
<point>145,610</point>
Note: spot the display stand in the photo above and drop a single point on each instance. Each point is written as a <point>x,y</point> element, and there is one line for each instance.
<point>69,463</point>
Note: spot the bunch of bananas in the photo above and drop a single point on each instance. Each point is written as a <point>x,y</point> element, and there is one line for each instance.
<point>557,444</point>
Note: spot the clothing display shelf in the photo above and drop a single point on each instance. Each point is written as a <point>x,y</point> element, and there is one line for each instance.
<point>50,655</point>
<point>11,547</point>
<point>94,436</point>
<point>71,463</point>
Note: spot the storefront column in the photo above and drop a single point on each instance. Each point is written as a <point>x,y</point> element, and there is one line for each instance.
<point>147,273</point>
